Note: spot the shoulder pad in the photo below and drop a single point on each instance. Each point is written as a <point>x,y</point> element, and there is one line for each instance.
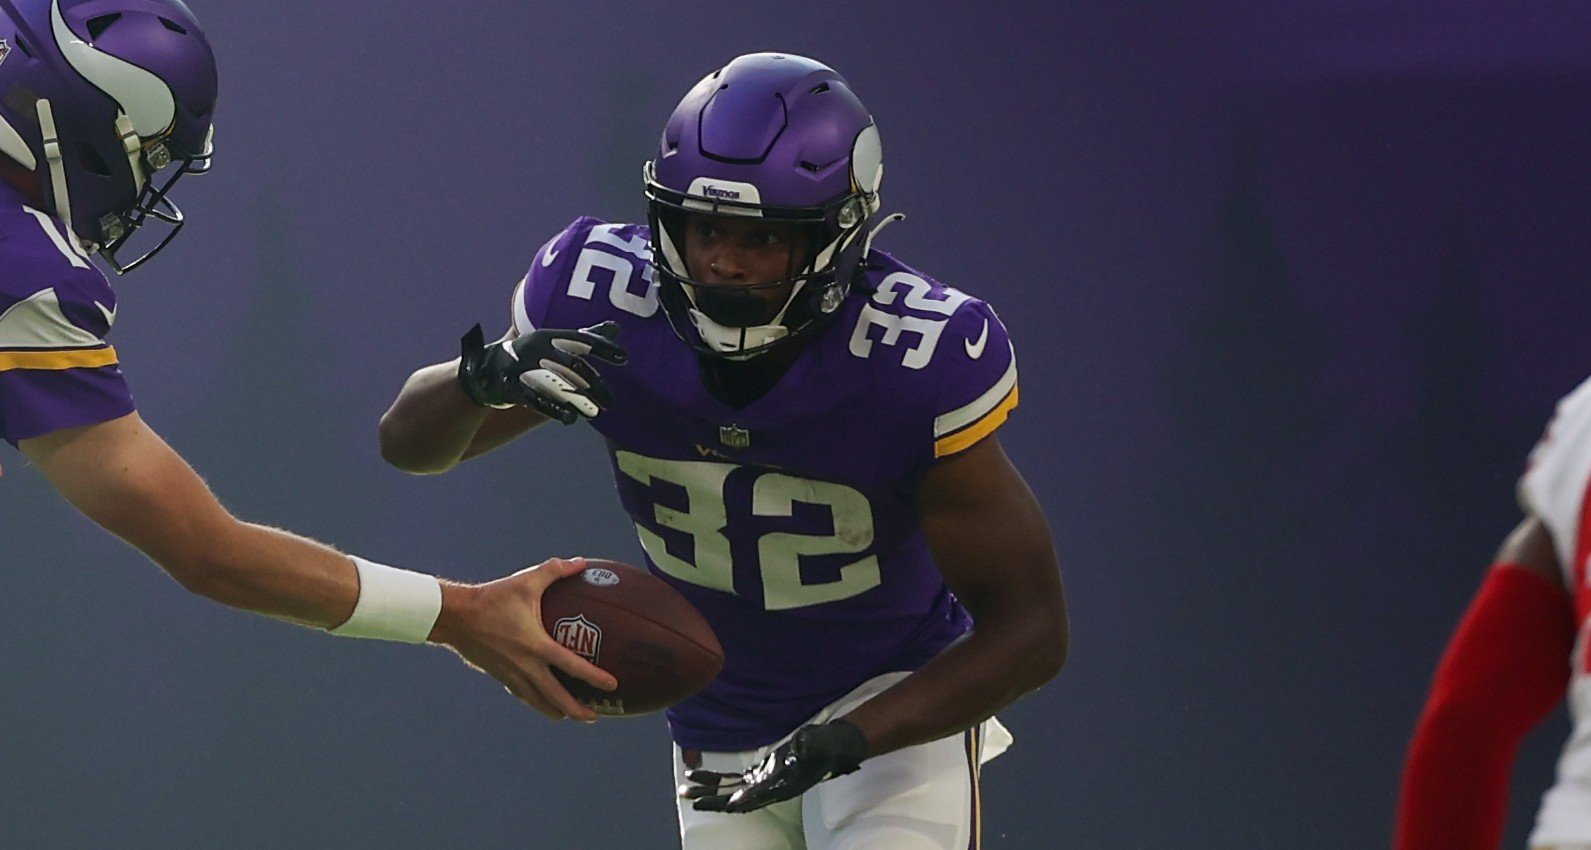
<point>951,346</point>
<point>586,274</point>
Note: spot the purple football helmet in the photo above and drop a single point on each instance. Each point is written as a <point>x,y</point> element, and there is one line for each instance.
<point>96,97</point>
<point>771,136</point>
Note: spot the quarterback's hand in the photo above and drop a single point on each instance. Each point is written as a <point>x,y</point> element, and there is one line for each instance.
<point>813,754</point>
<point>544,369</point>
<point>498,631</point>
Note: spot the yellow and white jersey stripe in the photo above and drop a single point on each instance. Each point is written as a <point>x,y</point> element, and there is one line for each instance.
<point>56,311</point>
<point>36,334</point>
<point>966,425</point>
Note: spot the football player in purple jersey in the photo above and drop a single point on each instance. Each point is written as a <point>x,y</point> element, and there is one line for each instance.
<point>104,105</point>
<point>803,431</point>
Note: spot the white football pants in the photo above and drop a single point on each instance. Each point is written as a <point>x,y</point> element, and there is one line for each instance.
<point>918,798</point>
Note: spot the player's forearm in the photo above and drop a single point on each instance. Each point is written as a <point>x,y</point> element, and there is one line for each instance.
<point>965,685</point>
<point>279,574</point>
<point>267,571</point>
<point>431,425</point>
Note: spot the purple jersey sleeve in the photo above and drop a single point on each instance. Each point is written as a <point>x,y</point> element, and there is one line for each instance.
<point>956,367</point>
<point>56,370</point>
<point>590,272</point>
<point>980,386</point>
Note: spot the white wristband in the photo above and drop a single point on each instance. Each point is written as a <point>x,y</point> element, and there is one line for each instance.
<point>393,604</point>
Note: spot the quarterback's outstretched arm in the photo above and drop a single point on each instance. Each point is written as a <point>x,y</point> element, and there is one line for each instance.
<point>124,477</point>
<point>993,546</point>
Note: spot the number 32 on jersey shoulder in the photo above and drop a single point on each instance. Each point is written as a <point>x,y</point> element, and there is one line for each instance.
<point>598,266</point>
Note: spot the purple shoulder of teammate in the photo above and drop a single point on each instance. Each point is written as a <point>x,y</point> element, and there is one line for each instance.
<point>802,430</point>
<point>104,106</point>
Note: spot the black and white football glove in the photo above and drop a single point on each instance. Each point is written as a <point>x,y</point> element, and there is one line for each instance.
<point>543,369</point>
<point>812,755</point>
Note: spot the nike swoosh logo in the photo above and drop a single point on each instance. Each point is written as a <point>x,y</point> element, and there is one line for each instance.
<point>975,349</point>
<point>552,254</point>
<point>110,315</point>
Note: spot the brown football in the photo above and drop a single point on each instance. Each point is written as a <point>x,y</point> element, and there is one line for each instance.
<point>633,625</point>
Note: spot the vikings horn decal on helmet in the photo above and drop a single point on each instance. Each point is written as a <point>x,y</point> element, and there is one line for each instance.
<point>97,98</point>
<point>771,136</point>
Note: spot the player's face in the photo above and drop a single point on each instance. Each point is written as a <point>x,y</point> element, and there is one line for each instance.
<point>731,250</point>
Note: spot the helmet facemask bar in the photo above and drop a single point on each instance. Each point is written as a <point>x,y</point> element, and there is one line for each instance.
<point>153,202</point>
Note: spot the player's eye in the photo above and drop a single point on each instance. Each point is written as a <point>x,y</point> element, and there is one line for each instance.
<point>768,239</point>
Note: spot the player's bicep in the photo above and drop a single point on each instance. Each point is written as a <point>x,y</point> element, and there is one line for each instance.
<point>987,533</point>
<point>126,479</point>
<point>1530,546</point>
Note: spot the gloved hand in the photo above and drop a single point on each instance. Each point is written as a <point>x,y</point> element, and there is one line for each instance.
<point>812,755</point>
<point>544,370</point>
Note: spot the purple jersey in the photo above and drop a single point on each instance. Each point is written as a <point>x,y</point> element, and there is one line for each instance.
<point>56,308</point>
<point>790,522</point>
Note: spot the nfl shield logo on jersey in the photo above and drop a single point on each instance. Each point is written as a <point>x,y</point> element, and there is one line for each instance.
<point>734,436</point>
<point>580,635</point>
<point>5,50</point>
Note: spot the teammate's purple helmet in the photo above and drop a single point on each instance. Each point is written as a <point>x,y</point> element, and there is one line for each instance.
<point>771,136</point>
<point>96,96</point>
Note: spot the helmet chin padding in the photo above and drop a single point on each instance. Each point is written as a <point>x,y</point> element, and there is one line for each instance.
<point>736,343</point>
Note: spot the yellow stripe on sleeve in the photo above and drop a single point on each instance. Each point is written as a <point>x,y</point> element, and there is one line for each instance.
<point>77,358</point>
<point>966,437</point>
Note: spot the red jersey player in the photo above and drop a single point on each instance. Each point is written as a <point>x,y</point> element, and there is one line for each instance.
<point>1519,649</point>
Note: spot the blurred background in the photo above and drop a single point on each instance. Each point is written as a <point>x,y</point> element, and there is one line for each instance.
<point>1295,286</point>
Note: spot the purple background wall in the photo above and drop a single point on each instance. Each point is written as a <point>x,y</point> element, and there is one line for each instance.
<point>1294,285</point>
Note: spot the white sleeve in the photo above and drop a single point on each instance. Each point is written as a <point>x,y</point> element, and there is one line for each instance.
<point>1554,484</point>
